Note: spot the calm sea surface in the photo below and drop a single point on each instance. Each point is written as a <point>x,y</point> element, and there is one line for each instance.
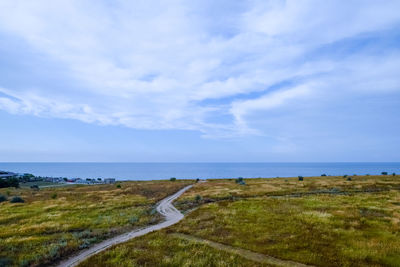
<point>152,171</point>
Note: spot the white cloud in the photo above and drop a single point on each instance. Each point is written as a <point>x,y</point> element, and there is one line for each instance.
<point>153,65</point>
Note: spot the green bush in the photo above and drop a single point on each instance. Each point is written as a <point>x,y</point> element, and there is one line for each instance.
<point>384,173</point>
<point>240,181</point>
<point>198,198</point>
<point>344,176</point>
<point>301,178</point>
<point>323,174</point>
<point>17,199</point>
<point>5,262</point>
<point>54,196</point>
<point>9,182</point>
<point>2,199</point>
<point>394,174</point>
<point>348,178</point>
<point>118,186</point>
<point>172,179</point>
<point>35,186</point>
<point>133,220</point>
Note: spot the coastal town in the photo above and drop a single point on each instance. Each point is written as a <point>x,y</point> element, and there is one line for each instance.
<point>8,178</point>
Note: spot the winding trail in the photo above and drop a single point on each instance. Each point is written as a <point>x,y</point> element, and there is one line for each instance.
<point>247,254</point>
<point>165,208</point>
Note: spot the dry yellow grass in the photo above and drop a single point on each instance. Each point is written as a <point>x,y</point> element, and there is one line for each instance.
<point>55,222</point>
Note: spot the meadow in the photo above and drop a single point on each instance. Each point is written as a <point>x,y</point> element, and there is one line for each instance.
<point>322,221</point>
<point>52,223</point>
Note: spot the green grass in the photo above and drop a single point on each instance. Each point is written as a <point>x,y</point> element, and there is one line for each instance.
<point>40,183</point>
<point>320,221</point>
<point>161,249</point>
<point>228,189</point>
<point>55,222</point>
<point>323,230</point>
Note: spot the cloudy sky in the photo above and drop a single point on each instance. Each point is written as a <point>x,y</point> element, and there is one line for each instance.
<point>199,80</point>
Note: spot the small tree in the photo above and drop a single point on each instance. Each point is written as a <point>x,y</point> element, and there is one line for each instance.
<point>197,180</point>
<point>348,178</point>
<point>301,178</point>
<point>323,174</point>
<point>54,196</point>
<point>118,186</point>
<point>172,179</point>
<point>17,199</point>
<point>394,174</point>
<point>65,179</point>
<point>344,176</point>
<point>384,173</point>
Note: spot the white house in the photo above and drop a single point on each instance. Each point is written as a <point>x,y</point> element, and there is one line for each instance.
<point>109,180</point>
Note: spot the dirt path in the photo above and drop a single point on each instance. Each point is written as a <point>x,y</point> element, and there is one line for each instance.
<point>165,207</point>
<point>250,255</point>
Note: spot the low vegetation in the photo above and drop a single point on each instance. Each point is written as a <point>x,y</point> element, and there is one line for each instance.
<point>323,230</point>
<point>229,189</point>
<point>9,182</point>
<point>324,221</point>
<point>54,222</point>
<point>162,249</point>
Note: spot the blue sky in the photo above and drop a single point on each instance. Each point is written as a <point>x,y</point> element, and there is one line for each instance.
<point>208,81</point>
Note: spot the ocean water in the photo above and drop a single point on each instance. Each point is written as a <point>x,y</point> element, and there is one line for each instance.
<point>155,171</point>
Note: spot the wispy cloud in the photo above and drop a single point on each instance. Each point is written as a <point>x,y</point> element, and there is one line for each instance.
<point>154,65</point>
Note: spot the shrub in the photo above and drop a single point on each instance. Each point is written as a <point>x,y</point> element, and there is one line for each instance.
<point>384,173</point>
<point>348,178</point>
<point>301,178</point>
<point>54,196</point>
<point>198,198</point>
<point>17,199</point>
<point>2,199</point>
<point>394,174</point>
<point>172,179</point>
<point>197,180</point>
<point>5,262</point>
<point>133,220</point>
<point>323,174</point>
<point>240,181</point>
<point>35,186</point>
<point>344,176</point>
<point>118,186</point>
<point>9,182</point>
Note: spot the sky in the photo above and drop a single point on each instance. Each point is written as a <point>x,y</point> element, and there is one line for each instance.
<point>200,80</point>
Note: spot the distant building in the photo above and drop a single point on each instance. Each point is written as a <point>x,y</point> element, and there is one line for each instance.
<point>5,175</point>
<point>109,180</point>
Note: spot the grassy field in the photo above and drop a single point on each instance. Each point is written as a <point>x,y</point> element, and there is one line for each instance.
<point>55,222</point>
<point>161,249</point>
<point>323,221</point>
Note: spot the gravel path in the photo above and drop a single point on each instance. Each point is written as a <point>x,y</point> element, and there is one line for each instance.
<point>165,207</point>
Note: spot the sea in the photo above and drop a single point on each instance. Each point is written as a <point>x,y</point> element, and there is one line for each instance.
<point>159,171</point>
